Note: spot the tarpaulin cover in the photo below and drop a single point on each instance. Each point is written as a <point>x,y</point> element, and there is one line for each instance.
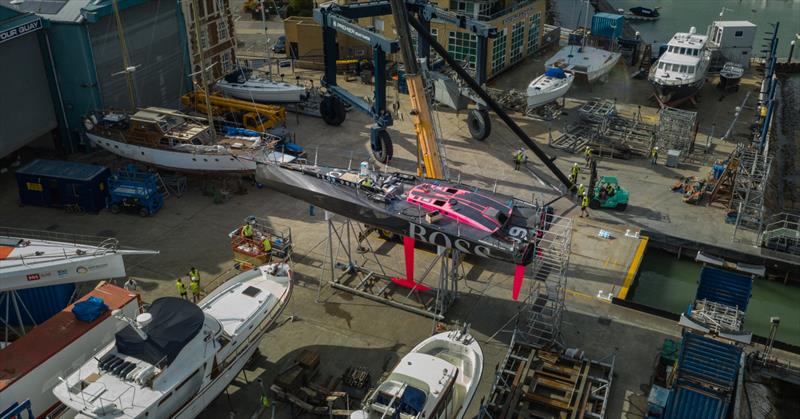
<point>555,72</point>
<point>90,309</point>
<point>175,322</point>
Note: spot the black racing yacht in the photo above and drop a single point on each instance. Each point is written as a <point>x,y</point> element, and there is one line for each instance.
<point>442,213</point>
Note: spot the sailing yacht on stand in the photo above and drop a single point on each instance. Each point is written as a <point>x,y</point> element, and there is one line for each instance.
<point>680,72</point>
<point>176,358</point>
<point>437,379</point>
<point>173,140</point>
<point>242,84</point>
<point>594,63</point>
<point>548,87</point>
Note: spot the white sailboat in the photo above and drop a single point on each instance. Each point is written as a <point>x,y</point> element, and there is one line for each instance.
<point>548,87</point>
<point>178,357</point>
<point>594,63</point>
<point>437,379</point>
<point>173,140</point>
<point>242,84</point>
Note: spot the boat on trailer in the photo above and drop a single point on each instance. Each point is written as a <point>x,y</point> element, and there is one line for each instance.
<point>176,141</point>
<point>176,358</point>
<point>242,84</point>
<point>548,87</point>
<point>437,379</point>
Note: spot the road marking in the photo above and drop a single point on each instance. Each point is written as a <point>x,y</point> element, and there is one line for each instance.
<point>633,268</point>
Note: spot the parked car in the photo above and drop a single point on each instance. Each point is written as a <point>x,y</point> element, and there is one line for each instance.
<point>280,45</point>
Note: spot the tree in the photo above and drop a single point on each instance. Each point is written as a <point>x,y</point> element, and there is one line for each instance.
<point>300,8</point>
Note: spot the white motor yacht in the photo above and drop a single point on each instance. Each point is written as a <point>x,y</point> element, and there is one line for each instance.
<point>681,71</point>
<point>176,358</point>
<point>242,84</point>
<point>437,379</point>
<point>548,87</point>
<point>594,63</point>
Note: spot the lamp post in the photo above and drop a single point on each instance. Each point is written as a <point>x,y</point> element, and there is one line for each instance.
<point>791,51</point>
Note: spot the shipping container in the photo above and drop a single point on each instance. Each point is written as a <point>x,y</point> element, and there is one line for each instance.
<point>688,403</point>
<point>55,183</point>
<point>607,25</point>
<point>41,303</point>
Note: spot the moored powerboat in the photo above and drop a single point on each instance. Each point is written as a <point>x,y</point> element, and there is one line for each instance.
<point>548,87</point>
<point>680,72</point>
<point>242,84</point>
<point>176,358</point>
<point>642,13</point>
<point>437,379</point>
<point>177,141</point>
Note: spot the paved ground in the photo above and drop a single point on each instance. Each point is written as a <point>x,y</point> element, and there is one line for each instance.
<point>347,330</point>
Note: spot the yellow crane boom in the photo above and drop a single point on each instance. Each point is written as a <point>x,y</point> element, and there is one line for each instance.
<point>254,116</point>
<point>429,161</point>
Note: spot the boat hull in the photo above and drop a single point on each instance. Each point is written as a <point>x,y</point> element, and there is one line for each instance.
<point>592,62</point>
<point>536,99</point>
<point>292,94</point>
<point>175,160</point>
<point>350,203</point>
<point>670,94</point>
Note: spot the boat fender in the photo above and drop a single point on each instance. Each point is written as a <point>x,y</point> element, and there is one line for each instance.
<point>131,375</point>
<point>145,375</point>
<point>88,124</point>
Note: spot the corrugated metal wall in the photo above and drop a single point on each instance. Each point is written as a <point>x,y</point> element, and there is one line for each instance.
<point>26,107</point>
<point>152,36</point>
<point>42,303</point>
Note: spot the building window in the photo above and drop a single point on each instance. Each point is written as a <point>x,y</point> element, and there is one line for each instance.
<point>738,34</point>
<point>533,32</point>
<point>517,39</point>
<point>204,37</point>
<point>226,62</point>
<point>463,46</point>
<point>499,52</point>
<point>222,30</point>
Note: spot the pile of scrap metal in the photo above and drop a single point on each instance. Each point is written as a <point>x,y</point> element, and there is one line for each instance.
<point>295,385</point>
<point>537,383</point>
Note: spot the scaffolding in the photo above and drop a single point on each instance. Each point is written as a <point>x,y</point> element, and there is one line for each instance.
<point>352,265</point>
<point>749,187</point>
<point>676,130</point>
<point>781,232</point>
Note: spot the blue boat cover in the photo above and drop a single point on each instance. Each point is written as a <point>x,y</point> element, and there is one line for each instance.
<point>241,131</point>
<point>90,309</point>
<point>555,72</point>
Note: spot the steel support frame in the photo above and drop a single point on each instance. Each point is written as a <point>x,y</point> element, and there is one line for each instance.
<point>749,186</point>
<point>375,283</point>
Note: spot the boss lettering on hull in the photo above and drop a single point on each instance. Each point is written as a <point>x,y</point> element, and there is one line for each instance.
<point>438,238</point>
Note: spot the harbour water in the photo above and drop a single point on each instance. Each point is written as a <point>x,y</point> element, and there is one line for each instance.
<point>668,283</point>
<point>679,15</point>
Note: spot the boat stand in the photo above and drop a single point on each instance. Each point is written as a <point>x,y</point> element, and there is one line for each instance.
<point>368,277</point>
<point>12,299</point>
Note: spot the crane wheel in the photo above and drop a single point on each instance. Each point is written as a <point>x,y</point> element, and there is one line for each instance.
<point>480,126</point>
<point>382,149</point>
<point>332,110</point>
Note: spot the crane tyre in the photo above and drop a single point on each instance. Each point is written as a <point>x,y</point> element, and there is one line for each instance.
<point>480,126</point>
<point>332,110</point>
<point>383,150</point>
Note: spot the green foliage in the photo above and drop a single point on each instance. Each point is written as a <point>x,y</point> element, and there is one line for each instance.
<point>300,8</point>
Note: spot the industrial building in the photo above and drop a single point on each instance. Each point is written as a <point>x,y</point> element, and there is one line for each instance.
<point>520,26</point>
<point>74,65</point>
<point>218,42</point>
<point>26,111</point>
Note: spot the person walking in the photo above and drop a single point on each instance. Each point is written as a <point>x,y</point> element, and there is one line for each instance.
<point>194,286</point>
<point>573,177</point>
<point>588,155</point>
<point>181,289</point>
<point>581,190</point>
<point>519,156</point>
<point>654,156</point>
<point>585,205</point>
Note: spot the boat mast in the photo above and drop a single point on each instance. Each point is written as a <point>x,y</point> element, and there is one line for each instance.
<point>123,46</point>
<point>203,81</point>
<point>266,38</point>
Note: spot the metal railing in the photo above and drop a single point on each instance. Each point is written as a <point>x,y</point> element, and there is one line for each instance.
<point>106,243</point>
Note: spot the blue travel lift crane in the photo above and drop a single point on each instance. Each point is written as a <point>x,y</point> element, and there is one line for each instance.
<point>342,18</point>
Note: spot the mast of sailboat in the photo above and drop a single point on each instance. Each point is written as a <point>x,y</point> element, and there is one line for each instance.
<point>203,81</point>
<point>123,46</point>
<point>266,39</point>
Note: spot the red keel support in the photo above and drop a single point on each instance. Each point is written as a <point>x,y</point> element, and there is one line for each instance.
<point>519,274</point>
<point>408,281</point>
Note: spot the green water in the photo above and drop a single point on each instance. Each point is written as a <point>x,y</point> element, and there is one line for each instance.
<point>669,284</point>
